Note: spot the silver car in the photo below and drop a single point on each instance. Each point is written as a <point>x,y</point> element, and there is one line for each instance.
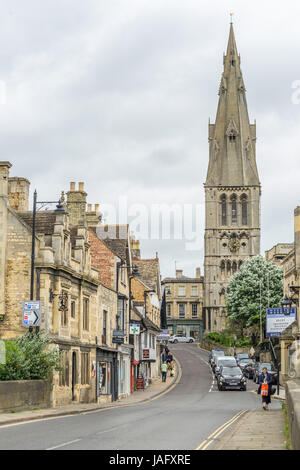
<point>181,339</point>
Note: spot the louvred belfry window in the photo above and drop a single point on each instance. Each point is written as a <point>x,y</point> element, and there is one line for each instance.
<point>244,211</point>
<point>224,210</point>
<point>233,209</point>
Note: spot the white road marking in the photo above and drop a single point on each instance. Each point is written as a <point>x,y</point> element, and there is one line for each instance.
<point>64,444</point>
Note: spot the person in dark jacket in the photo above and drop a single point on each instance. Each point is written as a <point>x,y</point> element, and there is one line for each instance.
<point>265,378</point>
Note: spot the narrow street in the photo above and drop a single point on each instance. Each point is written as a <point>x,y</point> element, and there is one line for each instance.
<point>181,419</point>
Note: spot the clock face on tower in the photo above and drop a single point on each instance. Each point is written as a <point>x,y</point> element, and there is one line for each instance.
<point>234,245</point>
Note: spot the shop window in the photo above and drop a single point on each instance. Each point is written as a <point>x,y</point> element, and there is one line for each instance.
<point>104,378</point>
<point>85,376</point>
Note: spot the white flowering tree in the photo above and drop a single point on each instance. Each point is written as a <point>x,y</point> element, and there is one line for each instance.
<point>255,287</point>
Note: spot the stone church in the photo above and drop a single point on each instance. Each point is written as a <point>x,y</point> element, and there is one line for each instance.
<point>232,191</point>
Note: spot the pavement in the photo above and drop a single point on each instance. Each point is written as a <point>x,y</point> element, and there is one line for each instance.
<point>190,414</point>
<point>256,430</point>
<point>156,389</point>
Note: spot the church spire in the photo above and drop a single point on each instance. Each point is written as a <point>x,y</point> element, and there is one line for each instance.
<point>232,160</point>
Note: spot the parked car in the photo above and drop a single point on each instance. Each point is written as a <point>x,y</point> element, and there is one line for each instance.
<point>249,369</point>
<point>241,356</point>
<point>244,363</point>
<point>258,370</point>
<point>181,339</point>
<point>215,357</point>
<point>219,352</point>
<point>231,378</point>
<point>226,361</point>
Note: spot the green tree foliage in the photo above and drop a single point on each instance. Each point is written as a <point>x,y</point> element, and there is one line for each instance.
<point>257,285</point>
<point>29,357</point>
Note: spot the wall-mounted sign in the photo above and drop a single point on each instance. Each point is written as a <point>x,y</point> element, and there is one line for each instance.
<point>118,339</point>
<point>279,319</point>
<point>135,329</point>
<point>146,354</point>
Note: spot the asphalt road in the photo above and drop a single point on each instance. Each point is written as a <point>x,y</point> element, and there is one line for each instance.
<point>179,420</point>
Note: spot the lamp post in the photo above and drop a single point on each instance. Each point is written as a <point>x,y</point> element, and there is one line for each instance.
<point>59,208</point>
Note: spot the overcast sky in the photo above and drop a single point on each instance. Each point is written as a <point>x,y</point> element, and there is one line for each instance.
<point>117,93</point>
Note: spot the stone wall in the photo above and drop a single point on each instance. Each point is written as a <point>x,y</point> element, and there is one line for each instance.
<point>22,394</point>
<point>209,345</point>
<point>292,390</point>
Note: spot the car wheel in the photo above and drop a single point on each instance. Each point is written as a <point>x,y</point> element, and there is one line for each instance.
<point>190,341</point>
<point>220,388</point>
<point>175,341</point>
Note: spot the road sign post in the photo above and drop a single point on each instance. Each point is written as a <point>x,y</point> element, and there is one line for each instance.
<point>32,313</point>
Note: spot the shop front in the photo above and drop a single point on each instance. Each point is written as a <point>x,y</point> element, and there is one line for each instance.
<point>107,375</point>
<point>194,329</point>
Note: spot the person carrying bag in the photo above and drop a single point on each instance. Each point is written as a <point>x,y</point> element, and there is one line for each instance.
<point>265,388</point>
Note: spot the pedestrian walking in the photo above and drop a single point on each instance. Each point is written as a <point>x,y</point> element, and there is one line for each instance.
<point>167,350</point>
<point>164,369</point>
<point>169,358</point>
<point>265,388</point>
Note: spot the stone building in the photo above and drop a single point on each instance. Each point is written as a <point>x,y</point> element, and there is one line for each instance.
<point>232,191</point>
<point>184,303</point>
<point>278,253</point>
<point>146,294</point>
<point>290,338</point>
<point>65,283</point>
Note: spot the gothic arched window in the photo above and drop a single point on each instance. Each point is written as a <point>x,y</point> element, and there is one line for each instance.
<point>233,209</point>
<point>224,209</point>
<point>234,267</point>
<point>244,210</point>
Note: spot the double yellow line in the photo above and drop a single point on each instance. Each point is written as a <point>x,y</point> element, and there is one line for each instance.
<point>205,444</point>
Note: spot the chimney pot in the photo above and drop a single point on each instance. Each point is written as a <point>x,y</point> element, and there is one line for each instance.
<point>89,207</point>
<point>81,186</point>
<point>72,186</point>
<point>96,207</point>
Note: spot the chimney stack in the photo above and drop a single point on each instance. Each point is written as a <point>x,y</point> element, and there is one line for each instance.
<point>76,203</point>
<point>18,193</point>
<point>179,273</point>
<point>198,273</point>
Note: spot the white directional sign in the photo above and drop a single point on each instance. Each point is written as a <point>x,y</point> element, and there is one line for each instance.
<point>32,313</point>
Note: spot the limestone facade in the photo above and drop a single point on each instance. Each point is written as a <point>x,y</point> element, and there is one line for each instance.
<point>184,304</point>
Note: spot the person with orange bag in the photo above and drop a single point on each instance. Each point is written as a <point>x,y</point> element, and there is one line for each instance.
<point>265,387</point>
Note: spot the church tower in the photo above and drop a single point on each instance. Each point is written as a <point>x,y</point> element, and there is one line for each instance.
<point>232,191</point>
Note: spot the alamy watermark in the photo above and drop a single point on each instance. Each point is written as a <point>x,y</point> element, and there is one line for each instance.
<point>154,222</point>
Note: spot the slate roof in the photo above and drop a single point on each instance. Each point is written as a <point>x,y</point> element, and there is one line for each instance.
<point>116,239</point>
<point>149,272</point>
<point>44,223</point>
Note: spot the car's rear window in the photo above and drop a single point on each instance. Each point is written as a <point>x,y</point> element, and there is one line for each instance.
<point>231,371</point>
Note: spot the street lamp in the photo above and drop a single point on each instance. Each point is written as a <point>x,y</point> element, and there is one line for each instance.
<point>286,305</point>
<point>59,208</point>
